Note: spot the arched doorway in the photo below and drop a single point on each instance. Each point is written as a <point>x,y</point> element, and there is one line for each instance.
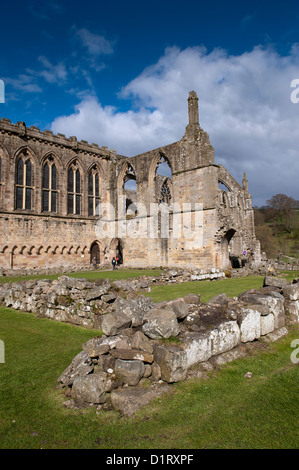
<point>116,250</point>
<point>226,250</point>
<point>95,254</point>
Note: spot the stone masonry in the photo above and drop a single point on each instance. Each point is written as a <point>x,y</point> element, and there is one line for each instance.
<point>56,195</point>
<point>143,346</point>
<point>147,347</point>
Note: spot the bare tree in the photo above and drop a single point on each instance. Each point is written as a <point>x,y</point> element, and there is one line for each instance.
<point>282,210</point>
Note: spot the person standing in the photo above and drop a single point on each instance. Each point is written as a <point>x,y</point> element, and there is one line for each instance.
<point>113,263</point>
<point>94,262</point>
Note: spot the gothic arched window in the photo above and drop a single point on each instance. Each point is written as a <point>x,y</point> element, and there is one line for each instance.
<point>165,194</point>
<point>24,183</point>
<point>93,191</point>
<point>49,186</point>
<point>74,194</point>
<point>130,191</point>
<point>163,180</point>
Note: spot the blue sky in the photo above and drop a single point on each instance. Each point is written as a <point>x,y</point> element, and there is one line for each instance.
<point>118,73</point>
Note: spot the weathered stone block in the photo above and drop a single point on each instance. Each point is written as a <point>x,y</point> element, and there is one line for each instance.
<point>292,311</point>
<point>225,337</point>
<point>130,372</point>
<point>132,354</point>
<point>140,341</point>
<point>273,281</point>
<point>197,347</point>
<point>179,307</point>
<point>192,299</point>
<point>160,323</point>
<point>80,366</point>
<point>105,362</point>
<point>276,335</point>
<point>96,293</point>
<point>156,372</point>
<point>113,323</point>
<point>75,283</point>
<point>228,356</point>
<point>291,292</point>
<point>135,309</point>
<point>275,303</point>
<point>220,299</point>
<point>267,324</point>
<point>250,324</point>
<point>92,388</point>
<point>95,347</point>
<point>172,361</point>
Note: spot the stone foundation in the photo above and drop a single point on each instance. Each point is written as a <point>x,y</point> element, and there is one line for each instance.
<point>141,355</point>
<point>146,347</point>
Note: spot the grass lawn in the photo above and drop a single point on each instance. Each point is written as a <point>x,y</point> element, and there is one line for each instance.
<point>206,289</point>
<point>92,275</point>
<point>226,411</point>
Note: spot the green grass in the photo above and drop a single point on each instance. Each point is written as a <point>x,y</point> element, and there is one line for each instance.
<point>207,289</point>
<point>232,287</point>
<point>226,411</point>
<point>91,275</point>
<point>290,275</point>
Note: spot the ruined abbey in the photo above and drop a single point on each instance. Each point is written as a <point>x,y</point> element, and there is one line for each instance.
<point>65,204</point>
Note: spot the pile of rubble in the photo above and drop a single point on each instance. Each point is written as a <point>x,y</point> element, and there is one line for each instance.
<point>144,347</point>
<point>80,301</point>
<point>147,347</point>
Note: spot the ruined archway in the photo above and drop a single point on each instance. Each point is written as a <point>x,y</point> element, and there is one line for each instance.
<point>117,250</point>
<point>95,257</point>
<point>163,180</point>
<point>127,190</point>
<point>225,249</point>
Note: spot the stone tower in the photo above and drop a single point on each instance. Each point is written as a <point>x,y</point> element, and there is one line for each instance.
<point>193,109</point>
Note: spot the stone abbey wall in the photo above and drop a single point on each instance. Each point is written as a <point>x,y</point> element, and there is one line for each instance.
<point>65,202</point>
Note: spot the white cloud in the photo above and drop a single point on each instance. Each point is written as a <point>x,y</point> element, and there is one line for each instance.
<point>52,73</point>
<point>90,48</point>
<point>94,43</point>
<point>25,83</point>
<point>245,107</point>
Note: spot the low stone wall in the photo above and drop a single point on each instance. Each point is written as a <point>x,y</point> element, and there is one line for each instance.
<point>278,266</point>
<point>287,266</point>
<point>80,301</point>
<point>145,350</point>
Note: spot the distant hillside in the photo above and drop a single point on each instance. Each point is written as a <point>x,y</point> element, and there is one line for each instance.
<point>277,228</point>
